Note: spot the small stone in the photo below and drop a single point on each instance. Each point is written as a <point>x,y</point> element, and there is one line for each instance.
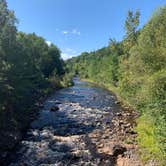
<point>127,125</point>
<point>119,114</point>
<point>121,122</point>
<point>118,149</point>
<point>101,145</point>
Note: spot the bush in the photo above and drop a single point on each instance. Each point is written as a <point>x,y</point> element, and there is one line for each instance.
<point>156,87</point>
<point>149,140</point>
<point>67,80</point>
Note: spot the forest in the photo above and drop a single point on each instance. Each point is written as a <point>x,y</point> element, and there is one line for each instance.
<point>30,69</point>
<point>135,69</point>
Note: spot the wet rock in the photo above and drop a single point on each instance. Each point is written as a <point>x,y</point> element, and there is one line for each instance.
<point>118,149</point>
<point>46,134</point>
<point>127,114</point>
<point>57,102</point>
<point>101,145</point>
<point>74,110</point>
<point>118,114</point>
<point>98,124</point>
<point>121,122</point>
<point>128,125</point>
<point>117,102</point>
<point>106,113</point>
<point>54,108</point>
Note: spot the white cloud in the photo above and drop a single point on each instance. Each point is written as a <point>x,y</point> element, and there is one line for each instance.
<point>65,32</point>
<point>72,32</point>
<point>66,56</point>
<point>76,32</point>
<point>68,53</point>
<point>48,42</point>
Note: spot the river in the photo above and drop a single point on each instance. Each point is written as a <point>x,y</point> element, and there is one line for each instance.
<point>73,132</point>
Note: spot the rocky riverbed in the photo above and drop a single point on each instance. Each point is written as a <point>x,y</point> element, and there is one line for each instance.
<point>80,126</point>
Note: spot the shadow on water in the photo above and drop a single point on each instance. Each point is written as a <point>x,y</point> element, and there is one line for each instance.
<point>63,125</point>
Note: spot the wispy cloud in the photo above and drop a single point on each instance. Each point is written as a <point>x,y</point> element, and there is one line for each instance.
<point>75,32</point>
<point>65,32</point>
<point>72,32</point>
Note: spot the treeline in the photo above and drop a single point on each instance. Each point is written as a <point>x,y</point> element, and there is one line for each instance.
<point>136,69</point>
<point>29,69</point>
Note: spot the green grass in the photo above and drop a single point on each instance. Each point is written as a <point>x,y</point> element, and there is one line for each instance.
<point>148,141</point>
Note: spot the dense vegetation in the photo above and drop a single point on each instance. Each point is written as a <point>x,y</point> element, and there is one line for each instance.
<point>136,69</point>
<point>29,69</point>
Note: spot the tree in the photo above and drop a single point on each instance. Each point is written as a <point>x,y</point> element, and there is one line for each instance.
<point>7,44</point>
<point>26,63</point>
<point>131,25</point>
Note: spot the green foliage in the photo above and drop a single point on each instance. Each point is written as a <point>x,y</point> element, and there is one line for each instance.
<point>67,80</point>
<point>136,66</point>
<point>131,24</point>
<point>148,139</point>
<point>26,63</point>
<point>156,87</point>
<point>143,83</point>
<point>102,64</point>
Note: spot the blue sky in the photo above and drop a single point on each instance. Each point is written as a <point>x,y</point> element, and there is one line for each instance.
<point>76,26</point>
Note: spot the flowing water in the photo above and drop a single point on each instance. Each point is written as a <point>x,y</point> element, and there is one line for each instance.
<point>67,135</point>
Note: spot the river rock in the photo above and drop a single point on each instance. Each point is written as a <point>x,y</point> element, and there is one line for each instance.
<point>54,108</point>
<point>118,114</point>
<point>117,102</point>
<point>128,125</point>
<point>132,132</point>
<point>118,149</point>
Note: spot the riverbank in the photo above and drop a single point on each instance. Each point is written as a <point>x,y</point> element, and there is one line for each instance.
<point>124,128</point>
<point>148,148</point>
